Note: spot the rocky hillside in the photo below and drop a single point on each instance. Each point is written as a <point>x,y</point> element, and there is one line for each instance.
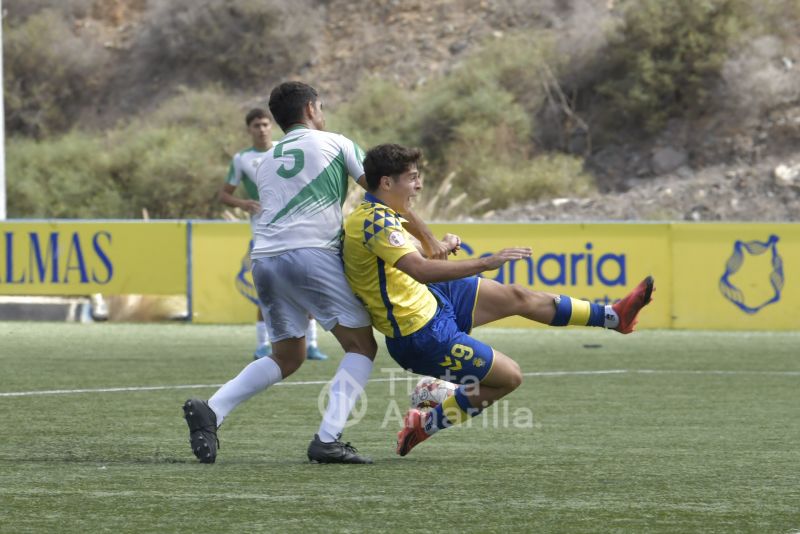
<point>758,179</point>
<point>723,168</point>
<point>740,161</point>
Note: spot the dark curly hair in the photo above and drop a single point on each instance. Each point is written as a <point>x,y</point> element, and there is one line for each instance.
<point>388,160</point>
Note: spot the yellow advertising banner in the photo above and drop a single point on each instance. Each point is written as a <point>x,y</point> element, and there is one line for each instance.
<point>736,276</point>
<point>708,275</point>
<point>596,262</point>
<point>222,287</point>
<point>81,258</point>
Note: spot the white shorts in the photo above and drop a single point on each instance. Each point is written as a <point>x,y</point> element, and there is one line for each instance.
<point>305,281</point>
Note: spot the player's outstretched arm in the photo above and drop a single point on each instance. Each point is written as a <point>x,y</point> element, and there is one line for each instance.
<point>427,271</point>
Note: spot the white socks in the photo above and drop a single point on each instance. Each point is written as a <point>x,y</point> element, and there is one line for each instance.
<point>346,387</point>
<point>311,333</point>
<point>257,376</point>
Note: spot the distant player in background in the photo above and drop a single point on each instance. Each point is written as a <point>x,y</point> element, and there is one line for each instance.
<point>427,307</point>
<point>243,171</point>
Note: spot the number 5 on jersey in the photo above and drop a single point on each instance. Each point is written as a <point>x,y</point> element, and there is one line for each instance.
<point>295,153</point>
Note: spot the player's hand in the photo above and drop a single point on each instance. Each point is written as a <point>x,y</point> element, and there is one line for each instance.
<point>437,250</point>
<point>453,243</point>
<point>507,254</point>
<point>251,206</point>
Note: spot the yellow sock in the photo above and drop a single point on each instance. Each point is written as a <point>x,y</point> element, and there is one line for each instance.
<point>453,411</point>
<point>580,312</point>
<point>570,311</point>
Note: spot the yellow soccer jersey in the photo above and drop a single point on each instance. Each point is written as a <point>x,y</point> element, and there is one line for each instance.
<point>374,240</point>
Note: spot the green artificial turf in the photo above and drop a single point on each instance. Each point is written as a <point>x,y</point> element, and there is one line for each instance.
<point>660,431</point>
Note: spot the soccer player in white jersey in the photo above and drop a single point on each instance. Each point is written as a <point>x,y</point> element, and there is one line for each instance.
<point>302,182</point>
<point>242,171</point>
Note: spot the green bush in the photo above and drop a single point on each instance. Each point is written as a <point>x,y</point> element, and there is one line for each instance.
<point>67,177</point>
<point>377,114</point>
<point>174,173</point>
<point>499,183</point>
<point>668,54</point>
<point>497,89</point>
<point>50,73</point>
<point>172,164</point>
<point>207,109</point>
<point>475,125</point>
<point>552,175</point>
<point>242,42</point>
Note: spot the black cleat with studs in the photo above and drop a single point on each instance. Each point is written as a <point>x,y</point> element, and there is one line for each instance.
<point>335,452</point>
<point>202,423</point>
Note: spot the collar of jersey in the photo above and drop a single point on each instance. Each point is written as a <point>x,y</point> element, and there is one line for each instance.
<point>297,127</point>
<point>369,197</point>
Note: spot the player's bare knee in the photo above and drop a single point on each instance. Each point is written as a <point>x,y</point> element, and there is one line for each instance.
<point>357,340</point>
<point>368,347</point>
<point>505,374</point>
<point>287,365</point>
<point>514,376</point>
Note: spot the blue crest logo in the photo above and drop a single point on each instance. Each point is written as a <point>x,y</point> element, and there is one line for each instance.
<point>735,263</point>
<point>243,283</point>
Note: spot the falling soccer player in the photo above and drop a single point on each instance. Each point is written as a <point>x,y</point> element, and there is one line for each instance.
<point>427,307</point>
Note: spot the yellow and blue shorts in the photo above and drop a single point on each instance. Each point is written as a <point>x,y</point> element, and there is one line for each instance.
<point>443,347</point>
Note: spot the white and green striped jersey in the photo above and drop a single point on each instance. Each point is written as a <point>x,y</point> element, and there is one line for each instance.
<point>302,184</point>
<point>243,170</point>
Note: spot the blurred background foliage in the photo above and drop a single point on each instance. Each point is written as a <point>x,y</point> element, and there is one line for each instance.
<point>512,121</point>
<point>666,55</point>
<point>170,163</point>
<point>235,42</point>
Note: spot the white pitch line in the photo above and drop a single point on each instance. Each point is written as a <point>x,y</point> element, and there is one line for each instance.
<point>711,372</point>
<point>406,378</point>
<point>103,390</point>
<point>578,373</point>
